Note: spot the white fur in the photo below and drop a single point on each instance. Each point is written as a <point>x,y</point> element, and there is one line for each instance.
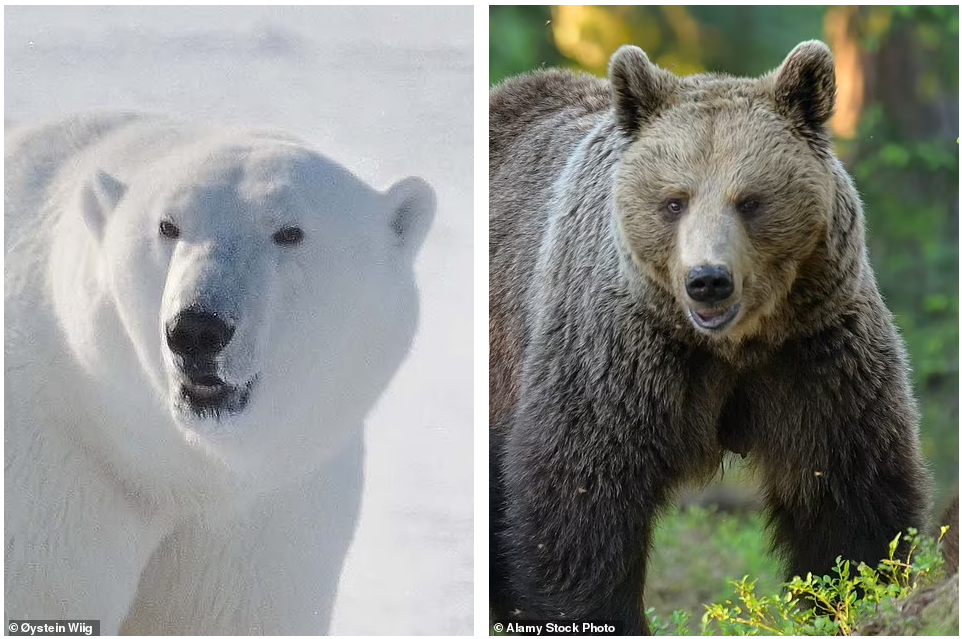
<point>123,506</point>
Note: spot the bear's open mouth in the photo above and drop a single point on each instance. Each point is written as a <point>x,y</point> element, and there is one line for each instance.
<point>712,319</point>
<point>210,396</point>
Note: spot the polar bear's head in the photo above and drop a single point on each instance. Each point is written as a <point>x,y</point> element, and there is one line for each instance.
<point>268,293</point>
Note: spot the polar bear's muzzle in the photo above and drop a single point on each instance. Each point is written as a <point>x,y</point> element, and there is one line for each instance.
<point>196,338</point>
<point>215,397</point>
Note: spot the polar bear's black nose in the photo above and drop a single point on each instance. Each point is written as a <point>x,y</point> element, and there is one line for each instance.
<point>711,283</point>
<point>197,334</point>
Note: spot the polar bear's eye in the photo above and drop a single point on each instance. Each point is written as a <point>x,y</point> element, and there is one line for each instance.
<point>169,229</point>
<point>288,235</point>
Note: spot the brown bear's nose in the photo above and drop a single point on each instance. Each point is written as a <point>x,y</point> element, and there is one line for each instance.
<point>711,283</point>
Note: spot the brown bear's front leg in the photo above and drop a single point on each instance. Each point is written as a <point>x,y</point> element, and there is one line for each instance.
<point>841,456</point>
<point>576,527</point>
<point>585,465</point>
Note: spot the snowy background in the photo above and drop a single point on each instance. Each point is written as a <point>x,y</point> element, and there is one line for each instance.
<point>387,92</point>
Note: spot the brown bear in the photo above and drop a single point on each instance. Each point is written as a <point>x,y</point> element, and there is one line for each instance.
<point>678,269</point>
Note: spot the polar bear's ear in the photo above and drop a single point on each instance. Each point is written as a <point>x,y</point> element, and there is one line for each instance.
<point>805,85</point>
<point>639,89</point>
<point>99,199</point>
<point>412,203</point>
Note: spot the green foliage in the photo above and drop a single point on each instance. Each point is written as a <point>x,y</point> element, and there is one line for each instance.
<point>827,605</point>
<point>697,550</point>
<point>519,40</point>
<point>676,626</point>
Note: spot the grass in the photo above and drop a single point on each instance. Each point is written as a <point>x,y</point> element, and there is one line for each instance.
<point>697,552</point>
<point>710,573</point>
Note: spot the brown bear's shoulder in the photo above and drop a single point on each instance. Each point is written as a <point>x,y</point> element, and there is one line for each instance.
<point>548,91</point>
<point>519,104</point>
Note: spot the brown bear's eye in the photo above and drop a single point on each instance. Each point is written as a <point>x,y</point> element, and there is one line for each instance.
<point>749,206</point>
<point>675,206</point>
<point>169,229</point>
<point>289,235</point>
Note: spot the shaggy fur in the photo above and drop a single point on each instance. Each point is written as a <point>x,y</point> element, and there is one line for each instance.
<point>605,395</point>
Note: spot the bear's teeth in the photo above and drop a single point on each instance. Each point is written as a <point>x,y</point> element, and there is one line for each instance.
<point>713,319</point>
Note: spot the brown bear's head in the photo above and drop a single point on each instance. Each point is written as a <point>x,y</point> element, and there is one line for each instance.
<point>726,185</point>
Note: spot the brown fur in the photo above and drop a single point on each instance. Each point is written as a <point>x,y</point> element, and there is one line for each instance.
<point>604,396</point>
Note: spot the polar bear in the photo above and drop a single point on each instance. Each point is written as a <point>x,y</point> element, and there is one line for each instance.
<point>197,322</point>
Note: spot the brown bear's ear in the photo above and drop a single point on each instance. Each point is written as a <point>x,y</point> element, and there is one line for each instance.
<point>639,89</point>
<point>805,85</point>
